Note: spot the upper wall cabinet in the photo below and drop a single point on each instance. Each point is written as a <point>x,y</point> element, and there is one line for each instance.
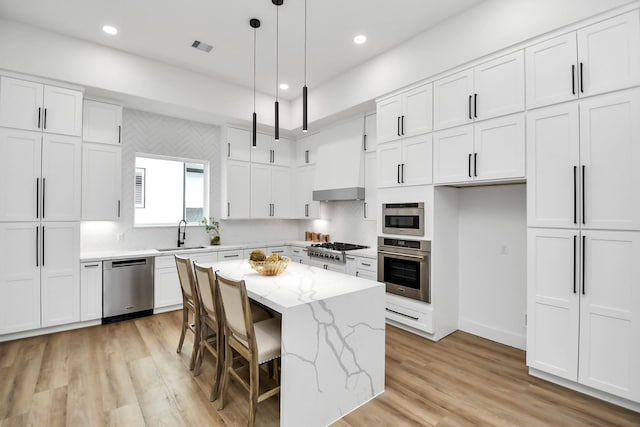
<point>101,182</point>
<point>34,106</point>
<point>269,151</point>
<point>305,150</point>
<point>491,89</point>
<point>406,114</point>
<point>238,144</point>
<point>596,59</point>
<point>102,123</point>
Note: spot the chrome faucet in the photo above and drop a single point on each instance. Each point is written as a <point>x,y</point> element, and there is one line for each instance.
<point>184,232</point>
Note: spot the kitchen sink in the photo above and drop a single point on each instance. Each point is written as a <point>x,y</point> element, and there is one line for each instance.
<point>181,248</point>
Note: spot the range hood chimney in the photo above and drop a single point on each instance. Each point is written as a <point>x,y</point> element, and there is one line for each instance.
<point>340,164</point>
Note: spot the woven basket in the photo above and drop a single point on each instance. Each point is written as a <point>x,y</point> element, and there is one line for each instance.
<point>267,268</point>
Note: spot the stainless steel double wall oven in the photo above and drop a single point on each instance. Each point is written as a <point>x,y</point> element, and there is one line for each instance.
<point>405,267</point>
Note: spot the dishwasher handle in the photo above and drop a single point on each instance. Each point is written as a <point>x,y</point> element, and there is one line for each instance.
<point>123,263</point>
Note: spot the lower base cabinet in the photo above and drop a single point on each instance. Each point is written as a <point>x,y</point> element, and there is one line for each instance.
<point>90,291</point>
<point>583,309</point>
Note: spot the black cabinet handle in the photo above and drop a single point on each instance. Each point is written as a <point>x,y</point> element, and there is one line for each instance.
<point>402,173</point>
<point>118,208</point>
<point>39,114</point>
<point>228,208</point>
<point>584,251</point>
<point>230,256</point>
<point>364,208</point>
<point>45,123</point>
<point>475,164</point>
<point>119,134</point>
<point>43,196</point>
<point>37,197</point>
<point>470,116</point>
<point>575,238</point>
<point>398,180</point>
<point>575,194</point>
<point>573,79</point>
<point>401,314</point>
<point>306,156</point>
<point>584,221</point>
<point>581,82</point>
<point>43,245</point>
<point>398,130</point>
<point>402,125</point>
<point>469,165</point>
<point>364,142</point>
<point>228,149</point>
<point>37,244</point>
<point>475,105</point>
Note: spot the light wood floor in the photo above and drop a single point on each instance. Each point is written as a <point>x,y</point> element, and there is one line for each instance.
<point>128,374</point>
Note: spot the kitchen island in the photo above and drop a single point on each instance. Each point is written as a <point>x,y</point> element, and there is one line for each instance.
<point>333,338</point>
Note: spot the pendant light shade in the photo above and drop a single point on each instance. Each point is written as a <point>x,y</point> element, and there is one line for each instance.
<point>255,24</point>
<point>276,124</point>
<point>305,126</point>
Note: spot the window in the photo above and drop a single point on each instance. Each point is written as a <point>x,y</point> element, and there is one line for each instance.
<point>168,190</point>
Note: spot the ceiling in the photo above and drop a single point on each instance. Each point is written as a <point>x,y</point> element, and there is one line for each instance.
<point>165,29</point>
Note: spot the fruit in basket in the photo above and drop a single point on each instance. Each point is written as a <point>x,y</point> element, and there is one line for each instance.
<point>257,255</point>
<point>274,258</point>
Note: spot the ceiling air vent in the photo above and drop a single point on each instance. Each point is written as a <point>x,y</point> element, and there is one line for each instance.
<point>202,46</point>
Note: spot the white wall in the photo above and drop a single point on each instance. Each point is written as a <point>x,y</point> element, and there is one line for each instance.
<point>344,223</point>
<point>492,227</point>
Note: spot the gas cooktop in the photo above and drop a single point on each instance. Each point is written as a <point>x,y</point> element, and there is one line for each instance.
<point>334,251</point>
<point>338,246</point>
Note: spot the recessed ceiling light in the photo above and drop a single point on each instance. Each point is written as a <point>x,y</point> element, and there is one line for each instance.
<point>360,39</point>
<point>284,86</point>
<point>110,30</point>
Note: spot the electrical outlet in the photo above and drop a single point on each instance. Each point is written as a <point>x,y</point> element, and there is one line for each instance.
<point>120,237</point>
<point>504,250</point>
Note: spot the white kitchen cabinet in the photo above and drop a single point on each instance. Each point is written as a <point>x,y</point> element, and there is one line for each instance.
<point>101,181</point>
<point>304,182</point>
<point>166,284</point>
<point>269,151</point>
<point>596,59</point>
<point>34,106</point>
<point>582,159</point>
<point>583,300</point>
<point>90,290</point>
<point>491,151</point>
<point>298,254</point>
<point>40,176</point>
<point>102,122</point>
<point>238,176</point>
<point>370,132</point>
<point>305,149</point>
<point>19,276</point>
<point>350,265</point>
<point>405,162</point>
<point>332,266</point>
<point>238,146</point>
<point>370,186</point>
<point>406,114</point>
<point>60,273</point>
<point>491,89</point>
<point>230,255</point>
<point>270,191</point>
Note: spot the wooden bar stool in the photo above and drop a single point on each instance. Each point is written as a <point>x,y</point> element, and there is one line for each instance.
<point>190,305</point>
<point>257,343</point>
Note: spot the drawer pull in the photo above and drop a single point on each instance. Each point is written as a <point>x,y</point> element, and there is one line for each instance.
<point>366,264</point>
<point>402,314</point>
<point>91,265</point>
<point>230,256</point>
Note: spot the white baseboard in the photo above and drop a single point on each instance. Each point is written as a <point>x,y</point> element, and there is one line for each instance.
<point>493,334</point>
<point>168,308</point>
<point>50,330</point>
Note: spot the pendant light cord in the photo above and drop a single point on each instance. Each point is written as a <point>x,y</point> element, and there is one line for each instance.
<point>305,42</point>
<point>254,70</point>
<point>277,48</point>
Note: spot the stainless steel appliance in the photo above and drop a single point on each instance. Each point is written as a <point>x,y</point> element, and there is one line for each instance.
<point>127,289</point>
<point>403,218</point>
<point>331,256</point>
<point>405,267</point>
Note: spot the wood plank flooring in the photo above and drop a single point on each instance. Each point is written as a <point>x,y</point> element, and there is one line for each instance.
<point>129,374</point>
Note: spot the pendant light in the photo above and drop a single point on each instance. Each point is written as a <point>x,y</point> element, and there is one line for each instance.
<point>255,24</point>
<point>304,88</point>
<point>276,135</point>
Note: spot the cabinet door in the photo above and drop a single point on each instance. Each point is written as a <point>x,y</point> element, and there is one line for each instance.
<point>417,160</point>
<point>499,85</point>
<point>363,274</point>
<point>238,189</point>
<point>61,178</point>
<point>238,144</point>
<point>19,277</point>
<point>609,53</point>
<point>167,291</point>
<point>101,186</point>
<point>20,104</point>
<point>610,153</point>
<point>553,303</point>
<point>101,122</point>
<point>281,191</point>
<point>388,164</point>
<point>370,132</point>
<point>552,76</point>
<point>20,156</point>
<point>417,111</point>
<point>453,155</point>
<point>370,187</point>
<point>388,118</point>
<point>261,153</point>
<point>610,313</point>
<point>499,149</point>
<point>305,150</point>
<point>452,100</point>
<point>62,111</point>
<point>553,158</point>
<point>304,181</point>
<point>281,152</point>
<point>260,190</point>
<point>90,290</point>
<point>60,273</point>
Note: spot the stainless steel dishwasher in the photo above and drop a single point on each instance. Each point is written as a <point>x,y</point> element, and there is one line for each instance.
<point>127,289</point>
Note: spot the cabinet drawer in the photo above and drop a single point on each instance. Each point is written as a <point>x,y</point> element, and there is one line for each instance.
<point>205,258</point>
<point>229,255</point>
<point>297,251</point>
<point>282,250</point>
<point>367,264</point>
<point>167,261</point>
<point>409,317</point>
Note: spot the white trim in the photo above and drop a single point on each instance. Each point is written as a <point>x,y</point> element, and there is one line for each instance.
<point>50,330</point>
<point>159,310</point>
<point>35,79</point>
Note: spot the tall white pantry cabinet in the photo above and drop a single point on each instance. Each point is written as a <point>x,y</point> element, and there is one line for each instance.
<point>40,176</point>
<point>583,207</point>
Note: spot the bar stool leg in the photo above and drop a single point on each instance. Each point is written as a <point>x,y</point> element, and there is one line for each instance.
<point>185,321</point>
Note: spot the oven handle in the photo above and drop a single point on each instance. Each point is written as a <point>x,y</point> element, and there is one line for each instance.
<point>396,254</point>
